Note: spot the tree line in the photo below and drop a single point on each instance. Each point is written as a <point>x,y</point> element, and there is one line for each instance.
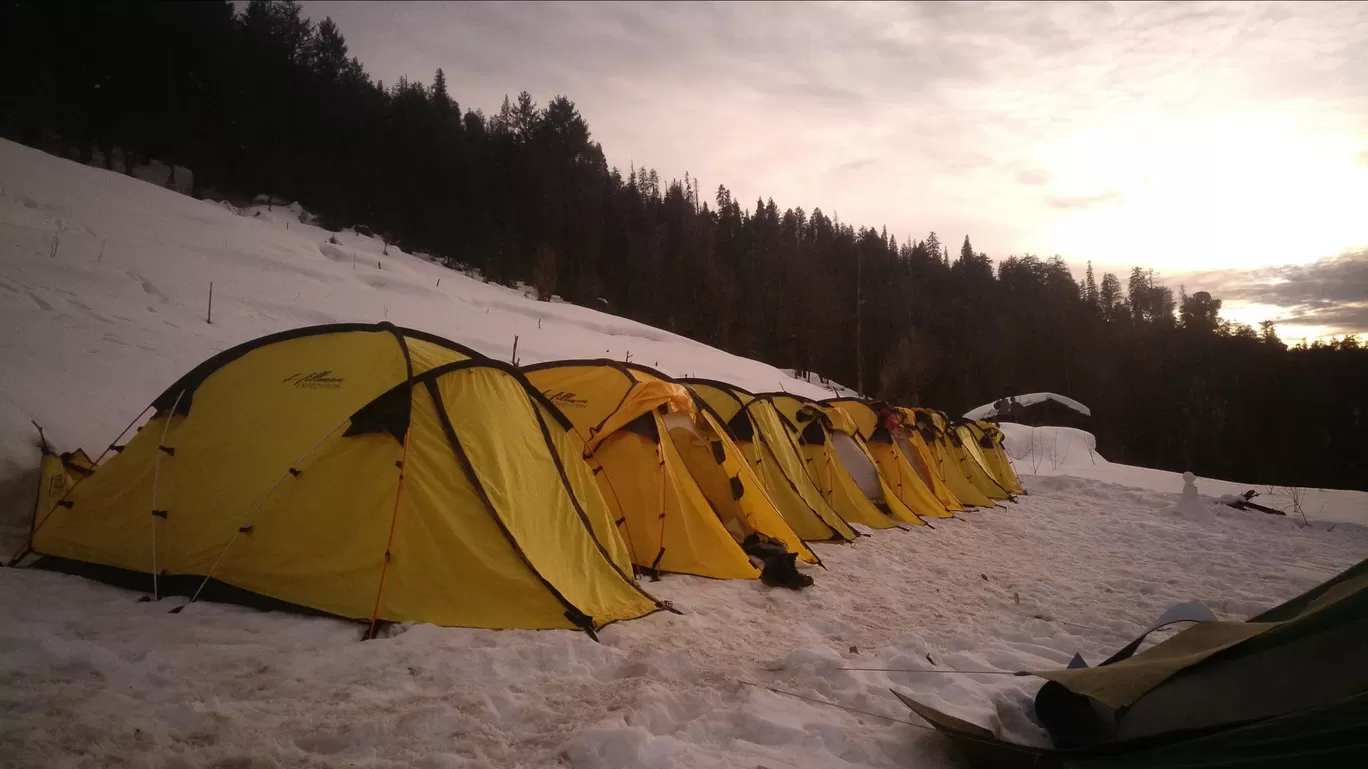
<point>266,101</point>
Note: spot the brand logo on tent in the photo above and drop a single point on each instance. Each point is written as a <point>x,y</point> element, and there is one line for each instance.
<point>318,380</point>
<point>564,398</point>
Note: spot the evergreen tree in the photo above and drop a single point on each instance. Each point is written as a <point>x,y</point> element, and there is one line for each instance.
<point>256,99</point>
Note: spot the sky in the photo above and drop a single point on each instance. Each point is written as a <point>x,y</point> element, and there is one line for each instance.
<point>1224,145</point>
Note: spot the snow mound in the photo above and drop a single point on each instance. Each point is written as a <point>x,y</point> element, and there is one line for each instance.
<point>1067,451</point>
<point>1054,448</point>
<point>1029,399</point>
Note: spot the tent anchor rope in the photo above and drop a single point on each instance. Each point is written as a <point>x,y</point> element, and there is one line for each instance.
<point>394,520</point>
<point>156,476</point>
<point>247,526</point>
<point>835,705</point>
<point>1016,673</point>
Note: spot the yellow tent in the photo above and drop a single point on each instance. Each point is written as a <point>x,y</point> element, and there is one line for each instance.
<point>922,457</point>
<point>948,456</point>
<point>975,463</point>
<point>990,441</point>
<point>57,474</point>
<point>759,431</point>
<point>840,466</point>
<point>682,494</point>
<point>888,453</point>
<point>365,471</point>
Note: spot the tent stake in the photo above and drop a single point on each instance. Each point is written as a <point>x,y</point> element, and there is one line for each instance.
<point>209,314</point>
<point>515,349</point>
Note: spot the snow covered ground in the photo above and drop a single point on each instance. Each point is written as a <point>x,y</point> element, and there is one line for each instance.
<point>1072,452</point>
<point>103,286</point>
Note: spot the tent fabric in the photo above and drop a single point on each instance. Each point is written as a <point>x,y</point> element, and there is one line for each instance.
<point>369,472</point>
<point>1283,689</point>
<point>976,464</point>
<point>1332,735</point>
<point>758,431</point>
<point>952,471</point>
<point>1341,603</point>
<point>990,440</point>
<point>935,430</point>
<point>57,474</point>
<point>816,430</point>
<point>889,457</point>
<point>680,490</point>
<point>923,460</point>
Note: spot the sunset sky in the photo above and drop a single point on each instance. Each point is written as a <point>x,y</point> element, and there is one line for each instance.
<point>1225,145</point>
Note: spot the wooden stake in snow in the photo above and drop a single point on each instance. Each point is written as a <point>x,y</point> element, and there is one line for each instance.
<point>209,315</point>
<point>515,349</point>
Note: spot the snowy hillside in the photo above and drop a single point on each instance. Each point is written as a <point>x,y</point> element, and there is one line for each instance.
<point>104,294</point>
<point>104,284</point>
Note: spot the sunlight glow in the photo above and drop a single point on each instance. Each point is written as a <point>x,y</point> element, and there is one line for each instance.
<point>1240,191</point>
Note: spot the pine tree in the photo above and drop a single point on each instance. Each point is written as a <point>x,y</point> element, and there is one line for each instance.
<point>440,98</point>
<point>1110,296</point>
<point>263,101</point>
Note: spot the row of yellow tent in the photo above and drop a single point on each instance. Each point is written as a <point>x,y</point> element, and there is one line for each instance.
<point>386,474</point>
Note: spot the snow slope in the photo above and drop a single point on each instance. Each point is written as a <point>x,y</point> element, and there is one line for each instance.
<point>90,677</point>
<point>105,287</point>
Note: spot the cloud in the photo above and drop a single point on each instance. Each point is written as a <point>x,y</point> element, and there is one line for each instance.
<point>973,100</point>
<point>853,166</point>
<point>1362,158</point>
<point>1330,292</point>
<point>1085,202</point>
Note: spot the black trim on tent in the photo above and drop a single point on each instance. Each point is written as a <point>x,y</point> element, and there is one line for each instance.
<point>617,366</point>
<point>741,427</point>
<point>177,584</point>
<point>388,413</point>
<point>626,370</point>
<point>572,612</point>
<point>196,376</point>
<point>728,389</point>
<point>644,426</point>
<point>480,362</point>
<point>814,434</point>
<point>590,363</point>
<point>579,509</point>
<point>719,452</point>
